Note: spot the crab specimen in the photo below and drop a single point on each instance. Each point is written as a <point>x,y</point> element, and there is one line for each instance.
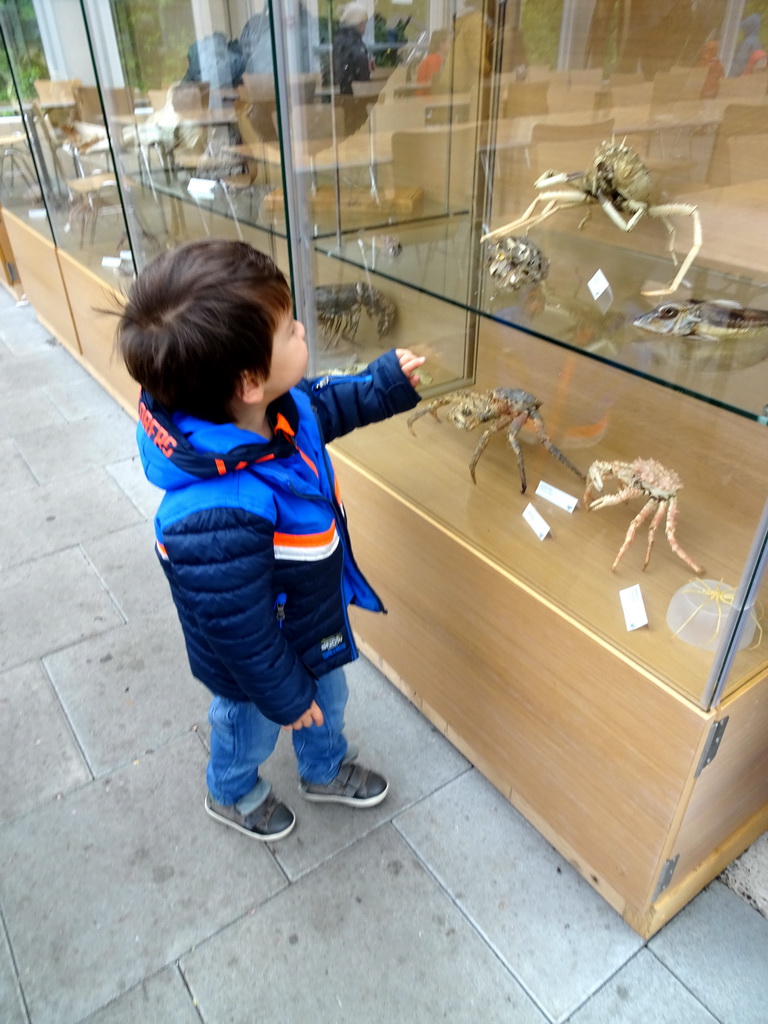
<point>514,262</point>
<point>643,478</point>
<point>620,182</point>
<point>339,307</point>
<point>503,409</point>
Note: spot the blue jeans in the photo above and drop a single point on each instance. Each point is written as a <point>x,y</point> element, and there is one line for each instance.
<point>242,739</point>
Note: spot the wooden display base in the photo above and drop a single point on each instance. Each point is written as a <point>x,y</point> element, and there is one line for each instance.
<point>517,649</point>
<point>37,262</point>
<point>602,758</point>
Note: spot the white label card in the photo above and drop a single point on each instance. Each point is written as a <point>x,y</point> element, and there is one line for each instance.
<point>597,284</point>
<point>111,261</point>
<point>557,497</point>
<point>202,187</point>
<point>601,291</point>
<point>632,605</point>
<point>36,214</point>
<point>539,525</point>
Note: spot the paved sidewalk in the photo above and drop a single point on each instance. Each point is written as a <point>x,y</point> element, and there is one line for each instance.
<point>122,902</point>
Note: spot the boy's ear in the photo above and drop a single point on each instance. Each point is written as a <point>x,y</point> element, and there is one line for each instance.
<point>251,388</point>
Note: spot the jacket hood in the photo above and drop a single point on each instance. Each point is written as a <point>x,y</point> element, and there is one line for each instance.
<point>751,25</point>
<point>177,449</point>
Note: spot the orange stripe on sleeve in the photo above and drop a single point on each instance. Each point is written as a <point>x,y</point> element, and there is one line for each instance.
<point>305,540</point>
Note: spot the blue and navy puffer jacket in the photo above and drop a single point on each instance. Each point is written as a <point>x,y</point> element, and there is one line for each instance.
<point>253,538</point>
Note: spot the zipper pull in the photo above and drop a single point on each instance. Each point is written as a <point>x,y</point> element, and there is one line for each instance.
<point>280,609</point>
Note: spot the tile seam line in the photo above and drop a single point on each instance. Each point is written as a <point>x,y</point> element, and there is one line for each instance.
<point>491,946</point>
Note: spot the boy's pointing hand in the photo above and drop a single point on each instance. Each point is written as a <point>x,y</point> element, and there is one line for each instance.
<point>409,364</point>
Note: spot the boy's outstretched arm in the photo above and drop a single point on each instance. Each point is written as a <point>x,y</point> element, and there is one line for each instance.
<point>384,388</point>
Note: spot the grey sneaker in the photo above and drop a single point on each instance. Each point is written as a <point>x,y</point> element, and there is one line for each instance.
<point>271,820</point>
<point>354,786</point>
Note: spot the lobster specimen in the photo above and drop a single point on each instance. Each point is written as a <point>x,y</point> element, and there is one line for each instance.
<point>339,307</point>
<point>504,409</point>
<point>643,478</point>
<point>620,182</point>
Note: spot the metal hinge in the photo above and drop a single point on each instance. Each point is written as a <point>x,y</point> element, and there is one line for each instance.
<point>666,876</point>
<point>713,745</point>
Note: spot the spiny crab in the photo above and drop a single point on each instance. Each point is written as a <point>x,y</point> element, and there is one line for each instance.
<point>617,180</point>
<point>504,409</point>
<point>641,478</point>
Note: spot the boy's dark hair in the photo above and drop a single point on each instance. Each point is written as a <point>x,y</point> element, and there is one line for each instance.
<point>197,318</point>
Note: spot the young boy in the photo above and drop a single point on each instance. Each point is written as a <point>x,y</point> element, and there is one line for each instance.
<point>251,532</point>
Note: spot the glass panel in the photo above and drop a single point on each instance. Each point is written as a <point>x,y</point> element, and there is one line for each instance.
<point>570,168</point>
<point>198,153</point>
<point>21,62</point>
<point>66,134</point>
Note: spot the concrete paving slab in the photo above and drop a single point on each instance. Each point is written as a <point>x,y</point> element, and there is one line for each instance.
<point>49,603</point>
<point>40,756</point>
<point>62,513</point>
<point>33,372</point>
<point>17,476</point>
<point>74,447</point>
<point>130,476</point>
<point>643,990</point>
<point>368,937</point>
<point>127,563</point>
<point>30,409</point>
<point>718,948</point>
<point>161,999</point>
<point>559,938</point>
<point>118,879</point>
<point>22,332</point>
<point>748,875</point>
<point>11,1007</point>
<point>80,399</point>
<point>129,691</point>
<point>392,737</point>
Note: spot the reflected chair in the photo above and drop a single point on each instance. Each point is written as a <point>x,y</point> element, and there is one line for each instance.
<point>54,110</point>
<point>679,83</point>
<point>622,78</point>
<point>88,104</point>
<point>742,90</point>
<point>302,87</point>
<point>258,87</point>
<point>570,77</point>
<point>90,196</point>
<point>739,121</point>
<point>440,163</point>
<point>634,94</point>
<point>572,99</point>
<point>369,90</point>
<point>56,93</point>
<point>748,158</point>
<point>315,127</point>
<point>189,96</point>
<point>14,151</point>
<point>566,147</point>
<point>523,99</point>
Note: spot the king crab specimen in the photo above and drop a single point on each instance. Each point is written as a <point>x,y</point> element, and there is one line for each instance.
<point>504,409</point>
<point>643,478</point>
<point>620,182</point>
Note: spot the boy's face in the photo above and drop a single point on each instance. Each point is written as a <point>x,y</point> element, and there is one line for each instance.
<point>289,358</point>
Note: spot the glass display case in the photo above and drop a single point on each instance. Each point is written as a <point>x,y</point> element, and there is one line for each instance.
<point>561,206</point>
